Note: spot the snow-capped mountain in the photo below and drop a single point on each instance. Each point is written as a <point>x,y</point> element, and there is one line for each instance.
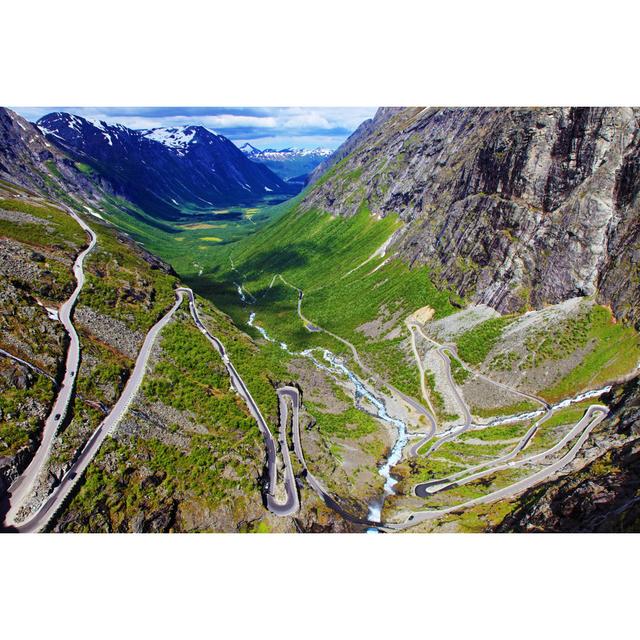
<point>164,170</point>
<point>287,163</point>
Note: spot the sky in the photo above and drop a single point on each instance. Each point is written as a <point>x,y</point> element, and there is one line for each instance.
<point>277,127</point>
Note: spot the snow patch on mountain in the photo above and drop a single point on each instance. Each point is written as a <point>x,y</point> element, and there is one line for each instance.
<point>283,154</point>
<point>175,137</point>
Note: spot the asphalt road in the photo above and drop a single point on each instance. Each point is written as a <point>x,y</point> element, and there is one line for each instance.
<point>504,462</point>
<point>356,356</point>
<point>441,350</point>
<point>593,416</point>
<point>424,489</point>
<point>40,518</point>
<point>23,485</point>
<point>293,395</point>
<point>292,504</point>
<point>453,348</point>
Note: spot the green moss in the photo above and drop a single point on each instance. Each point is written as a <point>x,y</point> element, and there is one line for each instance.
<point>351,424</point>
<point>459,373</point>
<point>51,165</point>
<point>84,168</point>
<point>18,424</point>
<point>57,228</point>
<point>505,410</point>
<point>499,432</point>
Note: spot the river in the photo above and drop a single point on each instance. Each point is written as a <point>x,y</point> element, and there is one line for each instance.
<point>336,366</point>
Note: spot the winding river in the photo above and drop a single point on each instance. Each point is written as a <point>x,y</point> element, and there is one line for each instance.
<point>336,366</point>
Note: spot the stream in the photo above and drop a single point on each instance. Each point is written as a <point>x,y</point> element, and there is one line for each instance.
<point>518,417</point>
<point>337,367</point>
<point>375,508</point>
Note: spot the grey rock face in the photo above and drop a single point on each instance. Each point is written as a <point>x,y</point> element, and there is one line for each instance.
<point>29,160</point>
<point>512,207</point>
<point>354,140</point>
<point>113,332</point>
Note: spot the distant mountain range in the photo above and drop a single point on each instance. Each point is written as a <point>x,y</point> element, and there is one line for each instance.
<point>290,164</point>
<point>165,171</point>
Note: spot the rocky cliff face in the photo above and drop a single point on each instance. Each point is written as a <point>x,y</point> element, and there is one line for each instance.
<point>29,160</point>
<point>512,207</point>
<point>354,140</point>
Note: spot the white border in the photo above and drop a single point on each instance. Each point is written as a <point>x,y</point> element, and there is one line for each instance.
<point>330,53</point>
<point>343,586</point>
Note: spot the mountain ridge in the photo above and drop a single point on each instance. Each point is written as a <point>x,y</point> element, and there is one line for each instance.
<point>289,163</point>
<point>165,171</point>
<point>524,180</point>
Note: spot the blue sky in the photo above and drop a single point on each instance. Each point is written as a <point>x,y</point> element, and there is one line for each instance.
<point>306,127</point>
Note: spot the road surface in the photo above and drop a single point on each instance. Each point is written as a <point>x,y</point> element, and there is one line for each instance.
<point>356,356</point>
<point>453,348</point>
<point>293,395</point>
<point>23,485</point>
<point>504,462</point>
<point>441,350</point>
<point>291,505</point>
<point>593,416</point>
<point>38,520</point>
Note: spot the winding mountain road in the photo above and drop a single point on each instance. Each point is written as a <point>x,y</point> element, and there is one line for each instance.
<point>442,352</point>
<point>292,503</point>
<point>287,395</point>
<point>593,416</point>
<point>454,350</point>
<point>311,326</point>
<point>38,520</point>
<point>23,485</point>
<point>293,395</point>
<point>504,462</point>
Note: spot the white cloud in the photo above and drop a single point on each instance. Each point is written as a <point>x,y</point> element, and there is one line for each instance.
<point>228,120</point>
<point>310,120</point>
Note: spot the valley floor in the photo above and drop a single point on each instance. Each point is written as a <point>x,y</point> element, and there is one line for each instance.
<point>343,391</point>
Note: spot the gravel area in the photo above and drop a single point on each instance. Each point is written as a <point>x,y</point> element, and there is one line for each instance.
<point>113,332</point>
<point>446,329</point>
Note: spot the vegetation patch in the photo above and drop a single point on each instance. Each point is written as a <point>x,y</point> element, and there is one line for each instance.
<point>475,344</point>
<point>614,352</point>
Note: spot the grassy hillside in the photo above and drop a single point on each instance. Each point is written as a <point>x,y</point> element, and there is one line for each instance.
<point>189,243</point>
<point>330,259</point>
<point>206,453</point>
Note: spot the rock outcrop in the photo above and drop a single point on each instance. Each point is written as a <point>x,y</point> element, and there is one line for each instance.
<point>512,207</point>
